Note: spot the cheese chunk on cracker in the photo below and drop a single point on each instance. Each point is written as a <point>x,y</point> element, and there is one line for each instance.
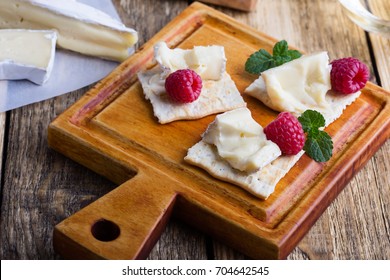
<point>219,92</point>
<point>300,85</point>
<point>216,97</point>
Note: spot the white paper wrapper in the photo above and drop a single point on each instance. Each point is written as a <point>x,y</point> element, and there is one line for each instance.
<point>71,71</point>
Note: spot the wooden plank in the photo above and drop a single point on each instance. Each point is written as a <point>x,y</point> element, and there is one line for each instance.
<point>32,203</point>
<point>380,43</point>
<point>364,202</point>
<point>244,5</point>
<point>178,241</point>
<point>42,187</point>
<point>329,237</point>
<point>3,118</point>
<point>95,132</point>
<point>38,191</point>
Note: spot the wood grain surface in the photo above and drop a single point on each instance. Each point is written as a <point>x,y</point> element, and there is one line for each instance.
<point>41,187</point>
<point>243,5</point>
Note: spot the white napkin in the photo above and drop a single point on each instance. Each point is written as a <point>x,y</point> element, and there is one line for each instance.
<point>71,71</point>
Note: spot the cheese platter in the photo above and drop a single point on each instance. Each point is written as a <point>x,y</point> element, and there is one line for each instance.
<point>112,130</point>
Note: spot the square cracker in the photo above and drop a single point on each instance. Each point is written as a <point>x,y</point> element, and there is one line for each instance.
<point>259,183</point>
<point>216,97</point>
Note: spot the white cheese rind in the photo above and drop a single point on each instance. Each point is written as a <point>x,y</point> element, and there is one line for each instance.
<point>80,11</point>
<point>80,27</point>
<point>27,54</point>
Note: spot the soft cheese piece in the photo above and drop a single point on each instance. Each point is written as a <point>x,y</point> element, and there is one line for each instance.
<point>296,86</point>
<point>80,27</point>
<point>27,54</point>
<point>336,102</point>
<point>209,62</point>
<point>240,140</point>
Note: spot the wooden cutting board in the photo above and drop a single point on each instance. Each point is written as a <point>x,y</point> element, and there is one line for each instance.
<point>112,131</point>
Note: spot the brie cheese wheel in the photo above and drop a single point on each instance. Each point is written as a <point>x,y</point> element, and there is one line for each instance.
<point>209,62</point>
<point>81,28</point>
<point>27,54</point>
<point>297,85</point>
<point>240,140</point>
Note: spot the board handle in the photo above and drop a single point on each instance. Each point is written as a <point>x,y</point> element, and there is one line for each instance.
<point>124,224</point>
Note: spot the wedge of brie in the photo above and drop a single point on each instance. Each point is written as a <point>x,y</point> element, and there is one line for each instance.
<point>209,62</point>
<point>27,54</point>
<point>80,27</point>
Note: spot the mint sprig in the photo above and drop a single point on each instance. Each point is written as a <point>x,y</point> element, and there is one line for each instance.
<point>262,60</point>
<point>311,121</point>
<point>318,145</point>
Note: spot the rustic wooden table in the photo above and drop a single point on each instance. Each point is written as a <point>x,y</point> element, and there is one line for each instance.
<point>40,188</point>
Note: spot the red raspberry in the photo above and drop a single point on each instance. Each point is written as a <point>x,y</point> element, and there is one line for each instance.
<point>286,131</point>
<point>348,75</point>
<point>183,86</point>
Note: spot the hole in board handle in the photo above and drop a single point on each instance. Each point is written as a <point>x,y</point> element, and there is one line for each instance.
<point>105,230</point>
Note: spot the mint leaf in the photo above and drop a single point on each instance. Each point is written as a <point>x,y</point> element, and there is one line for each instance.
<point>319,146</point>
<point>294,54</point>
<point>262,60</point>
<point>311,121</point>
<point>259,62</point>
<point>280,48</point>
<point>318,143</point>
